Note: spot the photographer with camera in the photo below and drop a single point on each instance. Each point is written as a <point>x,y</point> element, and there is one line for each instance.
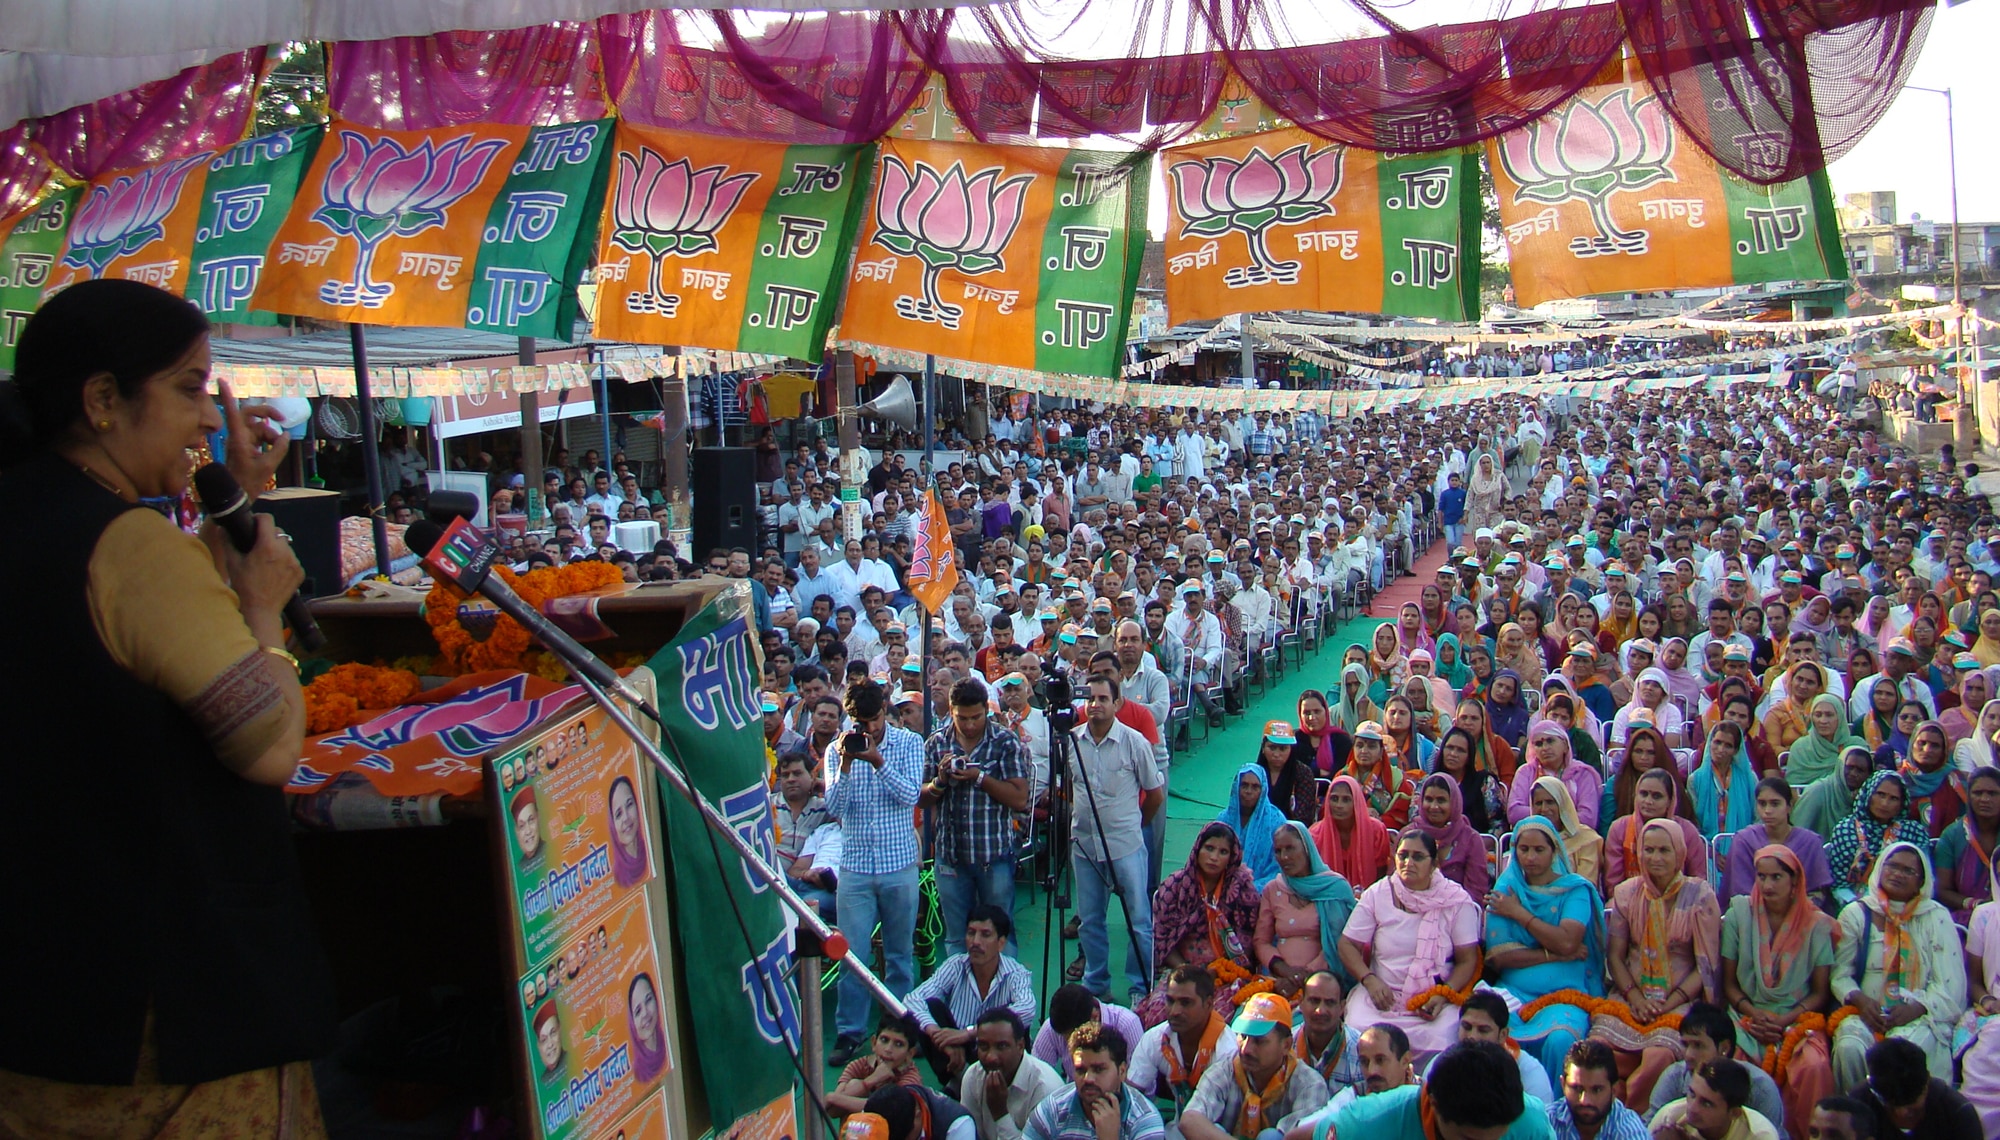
<point>874,774</point>
<point>975,778</point>
<point>1116,789</point>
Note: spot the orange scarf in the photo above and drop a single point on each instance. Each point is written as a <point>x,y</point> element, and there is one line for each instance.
<point>1179,1076</point>
<point>1304,1053</point>
<point>1250,1122</point>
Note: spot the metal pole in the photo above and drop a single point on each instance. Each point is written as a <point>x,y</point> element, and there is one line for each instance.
<point>531,438</point>
<point>853,472</point>
<point>1247,354</point>
<point>371,456</point>
<point>812,1019</point>
<point>930,491</point>
<point>603,377</point>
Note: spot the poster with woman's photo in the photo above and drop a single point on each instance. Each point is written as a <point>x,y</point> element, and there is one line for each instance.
<point>576,831</point>
<point>596,1025</point>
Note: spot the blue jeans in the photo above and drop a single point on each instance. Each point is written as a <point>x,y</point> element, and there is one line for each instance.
<point>820,895</point>
<point>962,886</point>
<point>864,900</point>
<point>1093,889</point>
<point>1156,830</point>
<point>1453,534</point>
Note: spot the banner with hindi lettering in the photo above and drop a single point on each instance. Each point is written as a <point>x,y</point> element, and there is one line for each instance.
<point>1024,257</point>
<point>248,192</point>
<point>1607,194</point>
<point>727,244</point>
<point>30,243</point>
<point>934,561</point>
<point>1287,220</point>
<point>736,949</point>
<point>484,226</point>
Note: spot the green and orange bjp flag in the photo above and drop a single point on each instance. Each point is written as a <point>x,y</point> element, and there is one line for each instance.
<point>137,224</point>
<point>30,244</point>
<point>721,243</point>
<point>483,226</point>
<point>1287,220</point>
<point>1022,257</point>
<point>933,559</point>
<point>1607,194</point>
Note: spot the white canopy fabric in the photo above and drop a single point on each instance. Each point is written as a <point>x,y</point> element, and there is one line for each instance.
<point>57,54</point>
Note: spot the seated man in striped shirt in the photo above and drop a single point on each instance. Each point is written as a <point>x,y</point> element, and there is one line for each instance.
<point>947,1007</point>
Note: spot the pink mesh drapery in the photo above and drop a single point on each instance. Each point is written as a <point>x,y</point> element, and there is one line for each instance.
<point>1772,88</point>
<point>824,78</point>
<point>527,77</point>
<point>199,109</point>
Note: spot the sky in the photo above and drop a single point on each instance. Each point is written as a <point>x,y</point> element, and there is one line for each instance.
<point>1906,150</point>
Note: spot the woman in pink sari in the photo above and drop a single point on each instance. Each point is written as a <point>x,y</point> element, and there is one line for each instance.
<point>1665,953</point>
<point>1410,632</point>
<point>1414,930</point>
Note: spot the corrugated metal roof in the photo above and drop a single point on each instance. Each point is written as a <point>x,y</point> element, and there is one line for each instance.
<point>387,348</point>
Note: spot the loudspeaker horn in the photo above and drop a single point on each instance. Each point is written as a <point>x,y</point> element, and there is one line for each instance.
<point>897,404</point>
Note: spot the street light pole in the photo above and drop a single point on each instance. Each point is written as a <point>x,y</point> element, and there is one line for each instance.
<point>1957,270</point>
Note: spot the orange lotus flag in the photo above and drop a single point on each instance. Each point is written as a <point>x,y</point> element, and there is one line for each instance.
<point>934,561</point>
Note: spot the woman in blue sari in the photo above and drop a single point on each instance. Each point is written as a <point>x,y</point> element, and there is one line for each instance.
<point>1254,819</point>
<point>1545,932</point>
<point>1724,787</point>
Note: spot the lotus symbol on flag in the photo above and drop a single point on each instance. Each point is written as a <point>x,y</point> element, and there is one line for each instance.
<point>669,209</point>
<point>127,215</point>
<point>947,221</point>
<point>1588,151</point>
<point>1250,195</point>
<point>378,189</point>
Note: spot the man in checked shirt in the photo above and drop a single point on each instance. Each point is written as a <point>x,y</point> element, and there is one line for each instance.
<point>975,780</point>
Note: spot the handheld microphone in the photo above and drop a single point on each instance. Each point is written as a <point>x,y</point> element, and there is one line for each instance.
<point>464,555</point>
<point>229,509</point>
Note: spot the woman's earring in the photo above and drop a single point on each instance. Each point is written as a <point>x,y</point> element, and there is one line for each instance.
<point>103,425</point>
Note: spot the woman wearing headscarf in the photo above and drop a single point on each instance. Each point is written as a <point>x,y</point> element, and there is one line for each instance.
<point>1322,745</point>
<point>1896,749</point>
<point>1549,755</point>
<point>1410,632</point>
<point>1450,665</point>
<point>1880,819</point>
<point>1438,698</point>
<point>1583,847</point>
<point>1254,820</point>
<point>1976,750</point>
<point>1877,726</point>
<point>1562,708</point>
<point>1664,953</point>
<point>1483,493</point>
<point>1513,653</point>
<point>1740,710</point>
<point>1407,746</point>
<point>1645,750</point>
<point>1545,933</point>
<point>1351,704</point>
<point>1961,720</point>
<point>1490,753</point>
<point>1789,719</point>
<point>1479,662</point>
<point>1935,798</point>
<point>1900,963</point>
<point>1964,856</point>
<point>1202,913</point>
<point>1777,966</point>
<point>1438,619</point>
<point>1507,716</point>
<point>1300,915</point>
<point>1441,815</point>
<point>1656,795</point>
<point>1723,787</point>
<point>1649,697</point>
<point>1684,685</point>
<point>1386,664</point>
<point>1987,647</point>
<point>1816,754</point>
<point>1411,932</point>
<point>1830,799</point>
<point>1348,837</point>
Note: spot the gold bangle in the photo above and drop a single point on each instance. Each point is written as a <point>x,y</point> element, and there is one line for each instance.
<point>283,654</point>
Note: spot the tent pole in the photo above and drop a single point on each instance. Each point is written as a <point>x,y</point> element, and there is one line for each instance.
<point>371,453</point>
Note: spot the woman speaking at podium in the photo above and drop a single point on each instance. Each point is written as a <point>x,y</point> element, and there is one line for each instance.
<point>163,975</point>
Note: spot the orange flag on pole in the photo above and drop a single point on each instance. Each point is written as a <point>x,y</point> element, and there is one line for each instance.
<point>934,560</point>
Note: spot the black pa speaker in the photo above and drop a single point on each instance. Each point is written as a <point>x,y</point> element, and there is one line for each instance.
<point>725,500</point>
<point>312,518</point>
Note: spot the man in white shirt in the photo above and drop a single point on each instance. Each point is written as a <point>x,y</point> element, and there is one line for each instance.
<point>1174,1054</point>
<point>1005,1085</point>
<point>1201,633</point>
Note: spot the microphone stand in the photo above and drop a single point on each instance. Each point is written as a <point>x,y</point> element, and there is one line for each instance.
<point>836,945</point>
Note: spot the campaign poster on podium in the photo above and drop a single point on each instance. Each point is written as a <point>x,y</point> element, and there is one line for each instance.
<point>581,835</point>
